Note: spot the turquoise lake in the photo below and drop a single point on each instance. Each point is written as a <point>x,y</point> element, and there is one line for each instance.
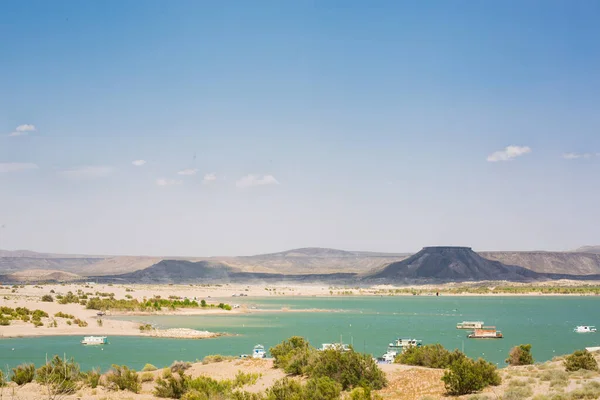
<point>370,323</point>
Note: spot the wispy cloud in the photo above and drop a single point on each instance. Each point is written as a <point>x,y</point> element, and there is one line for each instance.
<point>209,178</point>
<point>574,156</point>
<point>509,153</point>
<point>88,172</point>
<point>256,180</point>
<point>22,130</point>
<point>138,163</point>
<point>189,171</point>
<point>13,167</point>
<point>168,182</point>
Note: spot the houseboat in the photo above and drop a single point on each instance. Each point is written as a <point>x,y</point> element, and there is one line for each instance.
<point>335,346</point>
<point>470,325</point>
<point>486,332</point>
<point>94,340</point>
<point>258,351</point>
<point>397,347</point>
<point>585,329</point>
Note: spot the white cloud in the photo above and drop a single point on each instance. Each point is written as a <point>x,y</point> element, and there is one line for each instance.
<point>22,130</point>
<point>574,156</point>
<point>88,172</point>
<point>13,167</point>
<point>256,180</point>
<point>138,163</point>
<point>189,171</point>
<point>208,178</point>
<point>168,182</point>
<point>509,153</point>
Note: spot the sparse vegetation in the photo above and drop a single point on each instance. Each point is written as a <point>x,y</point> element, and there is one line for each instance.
<point>92,378</point>
<point>47,298</point>
<point>431,356</point>
<point>216,358</point>
<point>58,376</point>
<point>148,368</point>
<point>60,314</point>
<point>177,366</point>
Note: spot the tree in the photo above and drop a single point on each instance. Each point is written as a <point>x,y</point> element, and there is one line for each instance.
<point>520,355</point>
<point>292,355</point>
<point>468,376</point>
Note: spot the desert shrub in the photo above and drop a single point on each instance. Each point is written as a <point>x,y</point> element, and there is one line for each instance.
<point>123,378</point>
<point>147,377</point>
<point>172,386</point>
<point>69,322</point>
<point>553,375</point>
<point>590,390</point>
<point>203,303</point>
<point>517,383</point>
<point>4,321</point>
<point>431,356</point>
<point>581,359</point>
<point>59,376</point>
<point>467,376</point>
<point>47,298</point>
<point>2,379</point>
<point>180,366</point>
<point>243,379</point>
<point>348,368</point>
<point>92,378</point>
<point>149,367</point>
<point>292,355</point>
<point>23,374</point>
<point>145,327</point>
<point>285,389</point>
<point>68,298</point>
<point>520,355</point>
<point>322,388</point>
<point>517,393</point>
<point>37,323</point>
<point>61,314</point>
<point>80,322</point>
<point>365,394</point>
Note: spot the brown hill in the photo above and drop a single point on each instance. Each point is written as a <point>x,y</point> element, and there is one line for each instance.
<point>549,262</point>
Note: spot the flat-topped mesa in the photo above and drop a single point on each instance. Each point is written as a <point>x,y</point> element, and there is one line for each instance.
<point>442,248</point>
<point>447,264</point>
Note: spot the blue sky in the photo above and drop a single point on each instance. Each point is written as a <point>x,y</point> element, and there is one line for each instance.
<point>270,125</point>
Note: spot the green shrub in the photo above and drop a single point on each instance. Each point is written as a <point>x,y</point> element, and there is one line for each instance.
<point>59,376</point>
<point>431,356</point>
<point>80,322</point>
<point>467,376</point>
<point>243,379</point>
<point>4,321</point>
<point>123,378</point>
<point>172,386</point>
<point>285,389</point>
<point>520,355</point>
<point>365,394</point>
<point>149,367</point>
<point>322,388</point>
<point>216,358</point>
<point>92,378</point>
<point>61,314</point>
<point>581,359</point>
<point>348,368</point>
<point>292,355</point>
<point>47,298</point>
<point>145,327</point>
<point>147,377</point>
<point>23,374</point>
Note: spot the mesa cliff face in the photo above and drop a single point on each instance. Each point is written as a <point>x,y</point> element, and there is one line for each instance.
<point>440,264</point>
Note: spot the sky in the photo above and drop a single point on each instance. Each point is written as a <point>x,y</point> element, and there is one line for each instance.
<point>196,128</point>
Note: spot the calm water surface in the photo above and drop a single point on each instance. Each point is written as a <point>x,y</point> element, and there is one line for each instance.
<point>370,323</point>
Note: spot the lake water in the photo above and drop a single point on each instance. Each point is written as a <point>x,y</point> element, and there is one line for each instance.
<point>370,323</point>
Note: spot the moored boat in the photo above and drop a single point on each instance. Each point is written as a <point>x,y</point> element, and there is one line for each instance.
<point>398,346</point>
<point>585,329</point>
<point>94,340</point>
<point>486,332</point>
<point>470,325</point>
<point>258,351</point>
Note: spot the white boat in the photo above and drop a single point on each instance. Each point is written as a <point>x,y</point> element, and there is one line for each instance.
<point>585,329</point>
<point>258,351</point>
<point>592,349</point>
<point>334,346</point>
<point>398,346</point>
<point>94,340</point>
<point>470,325</point>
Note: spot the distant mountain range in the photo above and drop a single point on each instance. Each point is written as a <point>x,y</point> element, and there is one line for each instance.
<point>308,264</point>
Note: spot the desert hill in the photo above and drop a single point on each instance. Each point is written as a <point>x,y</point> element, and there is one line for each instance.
<point>588,249</point>
<point>449,264</point>
<point>549,262</point>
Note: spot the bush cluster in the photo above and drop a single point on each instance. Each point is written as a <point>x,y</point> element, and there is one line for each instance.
<point>430,356</point>
<point>581,359</point>
<point>23,374</point>
<point>121,377</point>
<point>466,376</point>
